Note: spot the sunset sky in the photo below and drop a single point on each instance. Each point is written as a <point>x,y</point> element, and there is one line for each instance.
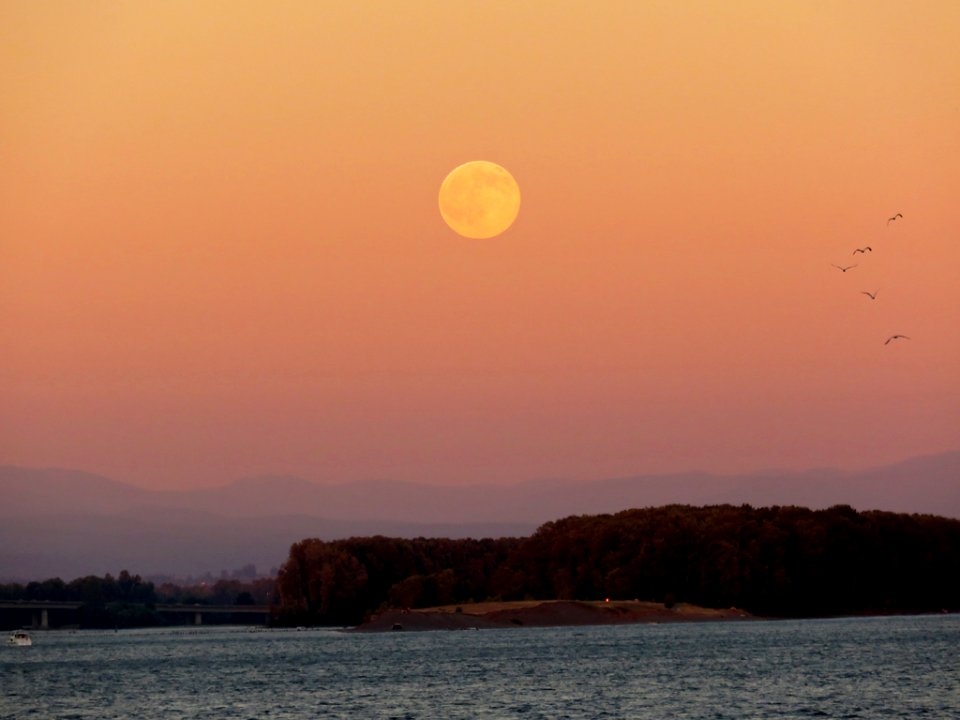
<point>221,253</point>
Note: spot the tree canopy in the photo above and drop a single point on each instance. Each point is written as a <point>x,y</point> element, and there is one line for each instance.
<point>777,561</point>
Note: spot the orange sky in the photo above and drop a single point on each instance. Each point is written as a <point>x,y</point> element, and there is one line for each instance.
<point>221,255</point>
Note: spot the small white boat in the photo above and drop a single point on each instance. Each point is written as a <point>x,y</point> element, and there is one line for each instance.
<point>20,638</point>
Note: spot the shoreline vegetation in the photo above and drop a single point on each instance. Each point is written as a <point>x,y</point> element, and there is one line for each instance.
<point>543,613</point>
<point>127,601</point>
<point>775,562</point>
<point>685,561</point>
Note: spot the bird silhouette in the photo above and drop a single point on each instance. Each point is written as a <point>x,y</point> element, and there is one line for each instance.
<point>871,295</point>
<point>865,249</point>
<point>844,269</point>
<point>895,337</point>
<point>890,220</point>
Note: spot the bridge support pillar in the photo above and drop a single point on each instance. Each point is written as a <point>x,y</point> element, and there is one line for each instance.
<point>198,618</point>
<point>44,619</point>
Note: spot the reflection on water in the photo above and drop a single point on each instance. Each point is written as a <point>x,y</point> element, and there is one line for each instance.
<point>903,667</point>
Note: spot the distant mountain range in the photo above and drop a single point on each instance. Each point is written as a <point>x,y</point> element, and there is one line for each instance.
<point>69,523</point>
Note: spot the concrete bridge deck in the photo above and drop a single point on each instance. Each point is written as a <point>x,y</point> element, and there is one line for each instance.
<point>40,610</point>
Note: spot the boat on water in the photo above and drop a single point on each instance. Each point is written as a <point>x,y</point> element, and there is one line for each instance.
<point>20,638</point>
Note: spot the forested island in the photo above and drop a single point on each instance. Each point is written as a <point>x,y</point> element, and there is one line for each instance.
<point>774,562</point>
<point>769,562</point>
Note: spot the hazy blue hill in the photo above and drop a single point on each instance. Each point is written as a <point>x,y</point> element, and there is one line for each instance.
<point>67,522</point>
<point>183,542</point>
<point>924,484</point>
<point>54,491</point>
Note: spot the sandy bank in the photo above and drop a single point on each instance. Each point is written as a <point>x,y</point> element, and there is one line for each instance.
<point>537,613</point>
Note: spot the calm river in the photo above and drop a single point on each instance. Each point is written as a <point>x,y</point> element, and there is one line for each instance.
<point>899,667</point>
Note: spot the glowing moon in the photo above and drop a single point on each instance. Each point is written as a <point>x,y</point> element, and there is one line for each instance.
<point>479,199</point>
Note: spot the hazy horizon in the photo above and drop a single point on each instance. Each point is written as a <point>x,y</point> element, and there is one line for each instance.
<point>173,484</point>
<point>221,253</point>
<point>61,522</point>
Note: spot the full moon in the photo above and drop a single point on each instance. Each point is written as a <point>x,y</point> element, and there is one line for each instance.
<point>479,199</point>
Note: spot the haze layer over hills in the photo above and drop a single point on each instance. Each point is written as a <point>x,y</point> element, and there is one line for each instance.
<point>69,523</point>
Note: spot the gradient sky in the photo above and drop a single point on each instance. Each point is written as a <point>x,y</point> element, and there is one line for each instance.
<point>221,253</point>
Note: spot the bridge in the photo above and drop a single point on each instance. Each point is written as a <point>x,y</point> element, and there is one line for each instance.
<point>40,611</point>
<point>198,611</point>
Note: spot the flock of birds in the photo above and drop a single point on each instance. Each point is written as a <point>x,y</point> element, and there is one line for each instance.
<point>873,295</point>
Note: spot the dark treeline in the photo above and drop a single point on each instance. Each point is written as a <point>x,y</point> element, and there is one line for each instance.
<point>779,561</point>
<point>129,601</point>
<point>340,582</point>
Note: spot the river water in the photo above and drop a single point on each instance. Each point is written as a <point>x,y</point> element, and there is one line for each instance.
<point>893,667</point>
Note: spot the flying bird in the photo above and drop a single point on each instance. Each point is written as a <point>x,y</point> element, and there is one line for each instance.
<point>871,295</point>
<point>895,337</point>
<point>890,220</point>
<point>844,269</point>
<point>865,249</point>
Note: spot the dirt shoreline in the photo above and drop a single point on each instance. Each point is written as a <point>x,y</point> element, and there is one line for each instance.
<point>544,613</point>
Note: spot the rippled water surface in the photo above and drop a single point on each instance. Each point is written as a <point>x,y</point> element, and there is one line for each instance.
<point>903,667</point>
